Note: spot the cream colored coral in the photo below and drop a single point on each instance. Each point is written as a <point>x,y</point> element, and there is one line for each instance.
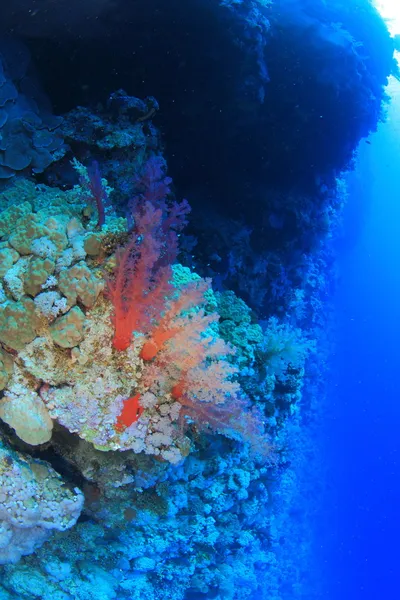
<point>31,227</point>
<point>92,243</point>
<point>33,501</point>
<point>8,256</point>
<point>14,278</point>
<point>36,274</point>
<point>23,410</point>
<point>10,216</point>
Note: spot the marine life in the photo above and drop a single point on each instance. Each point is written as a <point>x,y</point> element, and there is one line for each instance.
<point>173,178</point>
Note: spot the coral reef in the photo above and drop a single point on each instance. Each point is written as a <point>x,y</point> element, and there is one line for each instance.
<point>152,421</point>
<point>167,385</point>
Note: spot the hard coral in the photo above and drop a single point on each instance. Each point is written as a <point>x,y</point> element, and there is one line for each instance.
<point>33,501</point>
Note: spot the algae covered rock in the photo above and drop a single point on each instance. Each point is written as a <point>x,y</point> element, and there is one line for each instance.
<point>6,368</point>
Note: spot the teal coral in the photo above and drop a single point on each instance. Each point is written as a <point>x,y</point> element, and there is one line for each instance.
<point>237,326</point>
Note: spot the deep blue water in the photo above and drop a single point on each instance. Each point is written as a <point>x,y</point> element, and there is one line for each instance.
<point>362,433</point>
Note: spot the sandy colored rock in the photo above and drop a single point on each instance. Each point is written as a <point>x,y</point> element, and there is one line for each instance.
<point>6,368</point>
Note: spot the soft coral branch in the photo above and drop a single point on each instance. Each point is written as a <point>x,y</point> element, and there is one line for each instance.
<point>183,355</point>
<point>234,419</point>
<point>143,273</point>
<point>154,187</point>
<point>187,359</point>
<point>138,288</point>
<point>97,191</point>
<point>170,324</point>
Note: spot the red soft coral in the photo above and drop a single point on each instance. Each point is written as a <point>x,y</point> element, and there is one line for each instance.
<point>182,354</point>
<point>140,284</point>
<point>143,272</point>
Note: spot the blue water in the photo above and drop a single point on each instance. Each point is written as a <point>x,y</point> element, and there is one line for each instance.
<point>362,433</point>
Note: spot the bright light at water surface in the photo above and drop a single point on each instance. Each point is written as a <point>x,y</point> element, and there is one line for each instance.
<point>390,11</point>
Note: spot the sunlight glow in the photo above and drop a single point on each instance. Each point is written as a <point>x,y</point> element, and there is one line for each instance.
<point>390,11</point>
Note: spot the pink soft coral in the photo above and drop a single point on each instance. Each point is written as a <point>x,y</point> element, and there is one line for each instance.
<point>191,363</point>
<point>169,324</point>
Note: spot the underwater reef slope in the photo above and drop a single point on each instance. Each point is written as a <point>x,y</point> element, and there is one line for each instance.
<point>283,89</point>
<point>161,360</point>
<point>159,403</point>
<point>261,107</point>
